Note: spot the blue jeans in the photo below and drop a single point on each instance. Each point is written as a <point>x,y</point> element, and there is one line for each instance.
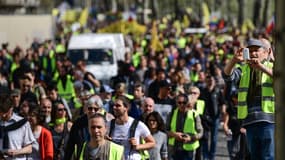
<point>260,139</point>
<point>206,152</point>
<point>183,155</point>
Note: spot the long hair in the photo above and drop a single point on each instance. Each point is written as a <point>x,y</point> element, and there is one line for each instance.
<point>159,120</point>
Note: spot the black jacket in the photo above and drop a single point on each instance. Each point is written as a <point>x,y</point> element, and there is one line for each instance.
<point>77,136</point>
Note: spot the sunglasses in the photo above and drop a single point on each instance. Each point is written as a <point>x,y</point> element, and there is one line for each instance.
<point>182,102</point>
<point>90,109</point>
<point>60,109</point>
<point>194,93</point>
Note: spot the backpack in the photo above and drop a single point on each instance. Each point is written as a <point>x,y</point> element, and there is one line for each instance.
<point>132,129</point>
<point>144,154</point>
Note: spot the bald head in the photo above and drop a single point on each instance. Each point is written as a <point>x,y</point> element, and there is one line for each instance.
<point>148,105</point>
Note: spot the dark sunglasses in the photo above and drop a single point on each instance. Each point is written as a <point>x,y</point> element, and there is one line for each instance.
<point>90,109</point>
<point>182,102</point>
<point>60,109</point>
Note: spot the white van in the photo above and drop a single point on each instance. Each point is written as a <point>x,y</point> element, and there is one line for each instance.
<point>101,53</point>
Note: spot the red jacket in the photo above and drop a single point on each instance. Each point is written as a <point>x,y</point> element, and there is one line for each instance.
<point>46,144</point>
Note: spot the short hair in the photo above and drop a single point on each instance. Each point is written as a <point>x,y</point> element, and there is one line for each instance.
<point>125,101</point>
<point>98,115</point>
<point>5,103</point>
<point>95,100</point>
<point>138,84</point>
<point>193,87</point>
<point>185,96</point>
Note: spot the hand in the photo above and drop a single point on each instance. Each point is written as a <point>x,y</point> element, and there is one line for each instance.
<point>243,130</point>
<point>226,129</point>
<point>12,152</point>
<point>178,136</point>
<point>238,56</point>
<point>255,63</point>
<point>186,138</point>
<point>133,143</point>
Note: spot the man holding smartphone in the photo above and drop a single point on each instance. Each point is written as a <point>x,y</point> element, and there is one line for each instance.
<point>255,97</point>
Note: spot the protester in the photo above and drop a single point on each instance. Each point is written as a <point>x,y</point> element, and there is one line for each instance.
<point>59,126</point>
<point>184,137</point>
<point>255,97</point>
<point>98,147</point>
<point>43,149</point>
<point>124,132</point>
<point>157,128</point>
<point>16,133</point>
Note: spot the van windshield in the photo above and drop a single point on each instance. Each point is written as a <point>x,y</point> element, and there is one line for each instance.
<point>91,56</point>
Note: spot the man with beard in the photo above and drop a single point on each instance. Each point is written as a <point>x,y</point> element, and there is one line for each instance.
<point>126,131</point>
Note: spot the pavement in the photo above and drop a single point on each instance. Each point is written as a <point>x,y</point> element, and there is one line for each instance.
<point>222,152</point>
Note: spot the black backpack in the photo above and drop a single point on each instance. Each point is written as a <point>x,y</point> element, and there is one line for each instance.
<point>132,129</point>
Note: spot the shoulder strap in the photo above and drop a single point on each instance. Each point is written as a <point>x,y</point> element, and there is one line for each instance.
<point>133,128</point>
<point>16,125</point>
<point>112,126</point>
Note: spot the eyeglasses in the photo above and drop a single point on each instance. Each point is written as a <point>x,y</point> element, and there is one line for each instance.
<point>90,109</point>
<point>60,109</point>
<point>194,93</point>
<point>182,102</point>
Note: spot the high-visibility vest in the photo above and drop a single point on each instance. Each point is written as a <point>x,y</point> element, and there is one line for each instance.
<point>68,91</point>
<point>189,127</point>
<point>52,61</point>
<point>267,93</point>
<point>200,106</point>
<point>116,151</point>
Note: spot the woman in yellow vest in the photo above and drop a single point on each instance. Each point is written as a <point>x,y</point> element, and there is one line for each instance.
<point>184,130</point>
<point>98,147</point>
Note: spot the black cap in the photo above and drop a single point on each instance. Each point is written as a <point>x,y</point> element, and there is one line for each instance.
<point>164,83</point>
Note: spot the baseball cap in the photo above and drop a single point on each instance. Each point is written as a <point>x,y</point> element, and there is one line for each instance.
<point>255,42</point>
<point>164,83</point>
<point>106,88</point>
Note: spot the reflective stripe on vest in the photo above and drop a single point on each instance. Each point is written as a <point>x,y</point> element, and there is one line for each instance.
<point>68,91</point>
<point>200,107</point>
<point>267,93</point>
<point>189,127</point>
<point>116,152</point>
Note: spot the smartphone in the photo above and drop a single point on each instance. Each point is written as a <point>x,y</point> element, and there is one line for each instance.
<point>184,135</point>
<point>245,54</point>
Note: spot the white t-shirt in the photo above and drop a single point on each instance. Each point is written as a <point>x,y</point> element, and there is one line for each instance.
<point>121,136</point>
<point>164,110</point>
<point>18,138</point>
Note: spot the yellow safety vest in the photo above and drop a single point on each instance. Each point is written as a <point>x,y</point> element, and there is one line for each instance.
<point>267,93</point>
<point>116,151</point>
<point>200,106</point>
<point>189,127</point>
<point>68,91</point>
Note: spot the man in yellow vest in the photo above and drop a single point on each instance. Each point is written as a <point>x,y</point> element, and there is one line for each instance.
<point>184,130</point>
<point>98,147</point>
<point>255,96</point>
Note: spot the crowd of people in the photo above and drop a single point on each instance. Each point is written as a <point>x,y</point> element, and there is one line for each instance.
<point>163,104</point>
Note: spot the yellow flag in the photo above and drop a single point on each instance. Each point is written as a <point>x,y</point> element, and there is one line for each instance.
<point>83,17</point>
<point>70,15</point>
<point>156,45</point>
<point>206,14</point>
<point>54,12</point>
